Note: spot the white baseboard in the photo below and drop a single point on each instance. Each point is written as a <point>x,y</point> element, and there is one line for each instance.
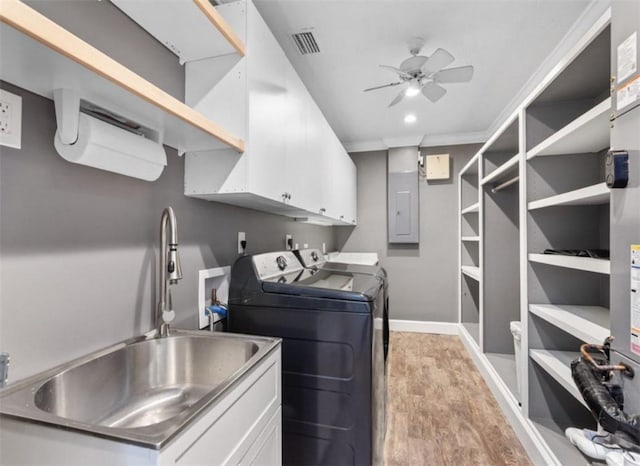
<point>418,326</point>
<point>533,443</point>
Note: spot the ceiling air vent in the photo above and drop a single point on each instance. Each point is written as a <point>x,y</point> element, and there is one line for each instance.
<point>306,43</point>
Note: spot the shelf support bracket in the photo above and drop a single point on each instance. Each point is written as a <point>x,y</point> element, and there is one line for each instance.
<point>67,103</point>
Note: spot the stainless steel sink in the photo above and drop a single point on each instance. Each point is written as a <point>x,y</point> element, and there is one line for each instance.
<point>144,390</point>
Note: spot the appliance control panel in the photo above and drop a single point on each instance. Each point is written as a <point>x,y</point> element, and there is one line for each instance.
<point>272,264</point>
<point>311,257</point>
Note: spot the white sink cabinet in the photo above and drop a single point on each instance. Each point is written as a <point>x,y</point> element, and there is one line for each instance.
<point>294,163</point>
<point>243,427</point>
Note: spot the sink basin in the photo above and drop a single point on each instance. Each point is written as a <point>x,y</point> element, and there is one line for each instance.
<point>144,390</point>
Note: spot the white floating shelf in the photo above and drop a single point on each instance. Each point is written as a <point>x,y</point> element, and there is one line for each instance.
<point>472,208</point>
<point>587,133</point>
<point>509,166</point>
<point>38,55</point>
<point>588,323</point>
<point>471,271</point>
<point>591,195</point>
<point>587,264</point>
<point>558,365</point>
<point>470,238</point>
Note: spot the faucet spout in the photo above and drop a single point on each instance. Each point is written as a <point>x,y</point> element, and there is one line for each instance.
<point>170,270</point>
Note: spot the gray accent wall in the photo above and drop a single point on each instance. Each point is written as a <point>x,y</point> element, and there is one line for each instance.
<point>79,247</point>
<point>423,283</point>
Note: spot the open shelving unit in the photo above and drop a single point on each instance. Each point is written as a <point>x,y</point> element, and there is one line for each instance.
<point>567,297</point>
<point>32,41</point>
<point>540,186</point>
<point>501,159</point>
<point>469,289</point>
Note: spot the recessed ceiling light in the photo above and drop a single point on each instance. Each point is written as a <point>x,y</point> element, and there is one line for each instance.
<point>410,118</point>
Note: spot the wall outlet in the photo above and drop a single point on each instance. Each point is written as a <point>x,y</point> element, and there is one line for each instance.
<point>10,119</point>
<point>241,238</point>
<point>288,242</point>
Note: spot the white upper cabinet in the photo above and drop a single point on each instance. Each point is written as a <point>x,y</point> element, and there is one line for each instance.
<point>292,155</point>
<point>341,199</point>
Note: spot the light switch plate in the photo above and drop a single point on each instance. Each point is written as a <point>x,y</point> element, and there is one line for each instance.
<point>438,167</point>
<point>10,119</point>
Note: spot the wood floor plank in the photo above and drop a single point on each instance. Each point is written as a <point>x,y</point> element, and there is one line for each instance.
<point>440,410</point>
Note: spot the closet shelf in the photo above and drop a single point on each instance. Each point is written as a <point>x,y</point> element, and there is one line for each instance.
<point>586,134</point>
<point>505,365</point>
<point>30,41</point>
<point>558,365</point>
<point>587,264</point>
<point>471,168</point>
<point>553,435</point>
<point>473,329</point>
<point>473,208</point>
<point>591,195</point>
<point>471,238</point>
<point>510,167</point>
<point>471,271</point>
<point>588,323</point>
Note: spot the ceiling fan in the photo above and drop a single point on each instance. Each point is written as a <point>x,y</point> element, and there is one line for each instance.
<point>420,73</point>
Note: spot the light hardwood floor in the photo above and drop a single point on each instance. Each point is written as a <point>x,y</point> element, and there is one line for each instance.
<point>440,411</point>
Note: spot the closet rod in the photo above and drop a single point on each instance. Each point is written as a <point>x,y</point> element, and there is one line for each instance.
<point>507,183</point>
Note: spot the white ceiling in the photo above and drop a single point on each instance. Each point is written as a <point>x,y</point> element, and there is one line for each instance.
<point>505,40</point>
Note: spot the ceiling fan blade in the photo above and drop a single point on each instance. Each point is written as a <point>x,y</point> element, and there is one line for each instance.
<point>462,74</point>
<point>382,87</point>
<point>398,98</point>
<point>433,91</point>
<point>437,61</point>
<point>400,73</point>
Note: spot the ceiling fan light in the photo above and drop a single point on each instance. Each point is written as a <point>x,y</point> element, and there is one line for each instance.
<point>410,118</point>
<point>412,91</point>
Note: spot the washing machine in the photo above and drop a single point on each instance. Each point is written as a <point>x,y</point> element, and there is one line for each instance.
<point>314,259</point>
<point>333,367</point>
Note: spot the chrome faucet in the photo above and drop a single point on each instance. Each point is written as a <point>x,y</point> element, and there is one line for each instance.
<point>170,270</point>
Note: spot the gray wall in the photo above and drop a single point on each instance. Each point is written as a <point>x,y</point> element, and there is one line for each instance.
<point>423,284</point>
<point>78,246</point>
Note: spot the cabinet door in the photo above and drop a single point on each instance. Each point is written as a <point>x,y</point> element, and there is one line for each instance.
<point>341,192</point>
<point>300,147</point>
<point>267,88</point>
<point>267,448</point>
<point>351,192</point>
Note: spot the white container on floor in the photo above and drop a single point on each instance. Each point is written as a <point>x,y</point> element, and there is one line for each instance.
<point>516,331</point>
